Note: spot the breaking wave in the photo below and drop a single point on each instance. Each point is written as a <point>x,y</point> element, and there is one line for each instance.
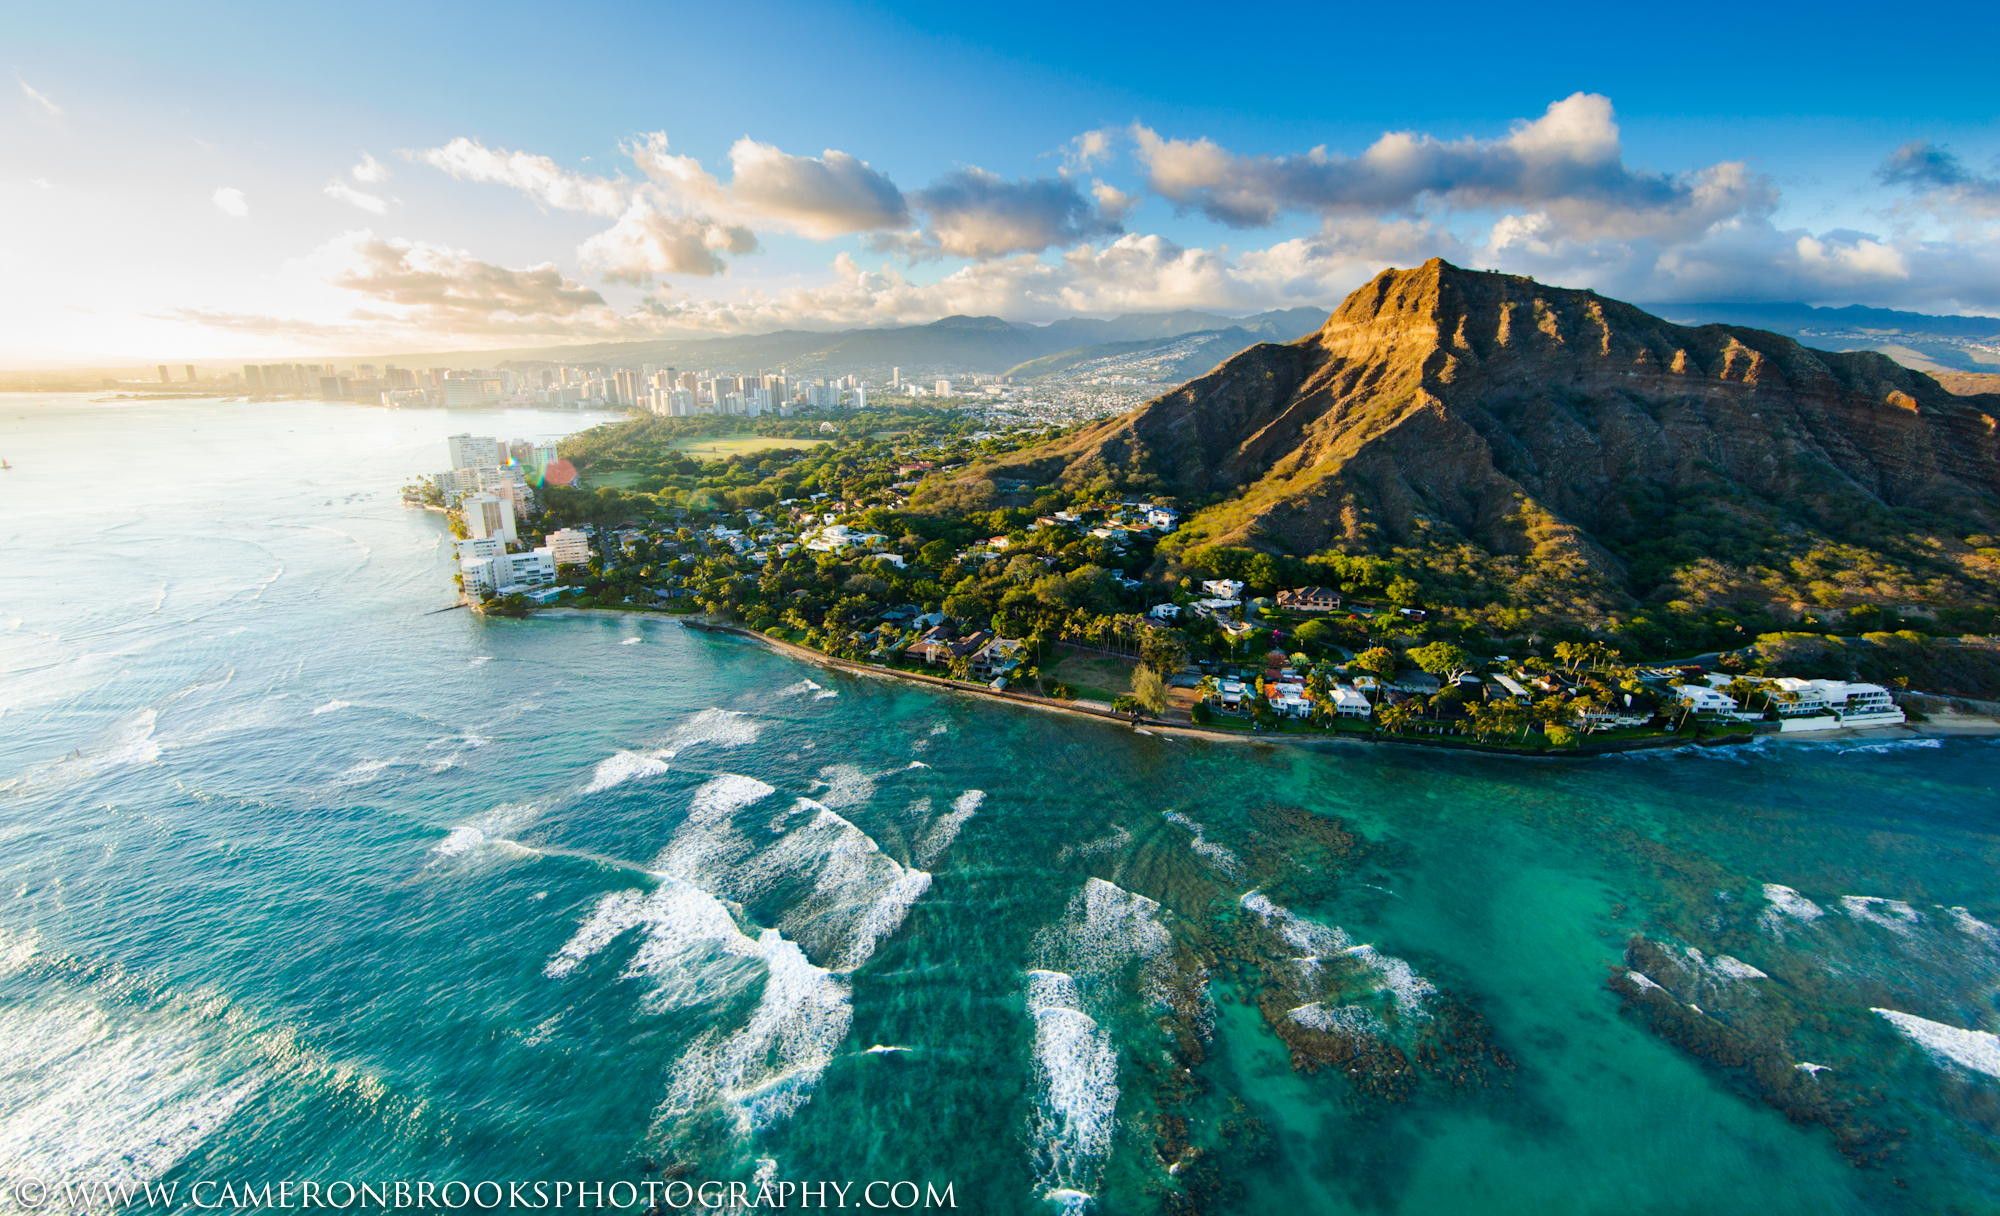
<point>1891,914</point>
<point>945,830</point>
<point>1076,1067</point>
<point>1222,858</point>
<point>1977,1050</point>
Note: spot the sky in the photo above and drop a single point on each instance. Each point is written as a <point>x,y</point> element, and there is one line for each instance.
<point>208,181</point>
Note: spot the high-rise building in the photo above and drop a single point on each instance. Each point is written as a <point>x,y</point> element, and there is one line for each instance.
<point>944,388</point>
<point>190,373</point>
<point>253,378</point>
<point>570,546</point>
<point>163,373</point>
<point>895,377</point>
<point>473,451</point>
<point>489,515</point>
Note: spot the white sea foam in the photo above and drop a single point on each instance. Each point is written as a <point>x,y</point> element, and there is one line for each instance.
<point>808,688</point>
<point>1411,990</point>
<point>631,641</point>
<point>859,895</point>
<point>1972,926</point>
<point>480,660</point>
<point>620,767</point>
<point>1785,904</point>
<point>945,831</point>
<point>1888,745</point>
<point>766,1069</point>
<point>713,728</point>
<point>1314,940</point>
<point>483,831</point>
<point>1977,1050</point>
<point>1811,1069</point>
<point>1219,856</point>
<point>1722,967</point>
<point>1735,968</point>
<point>1892,914</point>
<point>332,707</point>
<point>877,1049</point>
<point>18,950</point>
<point>1076,1066</point>
<point>1336,1019</point>
<point>844,785</point>
<point>707,846</point>
<point>1109,927</point>
<point>107,1102</point>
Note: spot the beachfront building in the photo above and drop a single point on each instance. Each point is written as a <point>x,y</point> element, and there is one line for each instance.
<point>510,573</point>
<point>489,515</point>
<point>1349,702</point>
<point>570,547</point>
<point>1705,701</point>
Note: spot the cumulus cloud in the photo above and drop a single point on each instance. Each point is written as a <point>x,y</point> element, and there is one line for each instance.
<point>42,101</point>
<point>976,214</point>
<point>230,201</point>
<point>832,194</point>
<point>369,171</point>
<point>1569,160</point>
<point>374,204</point>
<point>1088,150</point>
<point>1112,203</point>
<point>539,177</point>
<point>448,285</point>
<point>650,239</point>
<point>1937,176</point>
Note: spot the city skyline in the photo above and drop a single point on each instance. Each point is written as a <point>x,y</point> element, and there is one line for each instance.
<point>201,187</point>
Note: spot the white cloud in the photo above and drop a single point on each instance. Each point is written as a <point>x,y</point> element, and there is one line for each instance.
<point>976,214</point>
<point>41,100</point>
<point>539,177</point>
<point>372,203</point>
<point>650,240</point>
<point>230,201</point>
<point>822,196</point>
<point>369,171</point>
<point>435,289</point>
<point>1568,159</point>
<point>1088,150</point>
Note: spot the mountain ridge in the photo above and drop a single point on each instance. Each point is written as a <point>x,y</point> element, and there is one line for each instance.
<point>1548,428</point>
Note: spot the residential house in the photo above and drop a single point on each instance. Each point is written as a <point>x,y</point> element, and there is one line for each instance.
<point>1309,599</point>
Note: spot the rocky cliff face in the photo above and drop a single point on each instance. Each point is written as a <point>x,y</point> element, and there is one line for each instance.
<point>1445,404</point>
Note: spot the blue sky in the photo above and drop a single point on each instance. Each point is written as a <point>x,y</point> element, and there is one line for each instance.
<point>211,179</point>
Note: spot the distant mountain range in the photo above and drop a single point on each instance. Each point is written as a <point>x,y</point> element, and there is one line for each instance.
<point>951,345</point>
<point>1914,339</point>
<point>1578,452</point>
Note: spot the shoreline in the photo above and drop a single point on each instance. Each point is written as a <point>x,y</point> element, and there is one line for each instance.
<point>1937,725</point>
<point>1956,725</point>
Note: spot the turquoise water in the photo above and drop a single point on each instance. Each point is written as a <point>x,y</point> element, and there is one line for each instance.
<point>299,878</point>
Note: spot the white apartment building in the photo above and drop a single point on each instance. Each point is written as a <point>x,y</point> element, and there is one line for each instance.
<point>486,546</point>
<point>488,515</point>
<point>509,573</point>
<point>473,451</point>
<point>570,546</point>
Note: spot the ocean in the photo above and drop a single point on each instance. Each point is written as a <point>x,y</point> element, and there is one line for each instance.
<point>302,878</point>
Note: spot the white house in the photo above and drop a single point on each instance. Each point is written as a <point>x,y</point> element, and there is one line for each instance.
<point>1224,588</point>
<point>1701,699</point>
<point>1350,703</point>
<point>1165,612</point>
